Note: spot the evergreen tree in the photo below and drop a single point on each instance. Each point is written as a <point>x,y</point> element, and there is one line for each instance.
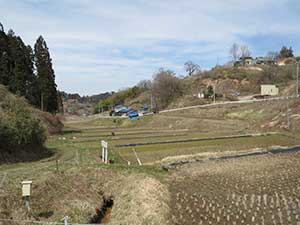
<point>32,93</point>
<point>286,52</point>
<point>60,102</point>
<point>45,77</point>
<point>17,68</point>
<point>21,67</point>
<point>4,58</point>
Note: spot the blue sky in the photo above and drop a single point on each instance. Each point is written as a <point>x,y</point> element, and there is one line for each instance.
<point>99,46</point>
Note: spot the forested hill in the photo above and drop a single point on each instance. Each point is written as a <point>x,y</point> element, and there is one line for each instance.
<point>28,71</point>
<point>85,99</point>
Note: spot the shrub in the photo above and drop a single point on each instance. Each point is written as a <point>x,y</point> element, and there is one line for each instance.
<point>166,87</point>
<point>19,129</point>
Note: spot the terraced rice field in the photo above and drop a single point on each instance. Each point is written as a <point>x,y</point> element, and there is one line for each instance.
<point>254,190</point>
<point>151,149</point>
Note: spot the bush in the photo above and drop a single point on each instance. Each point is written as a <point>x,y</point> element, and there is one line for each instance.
<point>19,129</point>
<point>166,87</point>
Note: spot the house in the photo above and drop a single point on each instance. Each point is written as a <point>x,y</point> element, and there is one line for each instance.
<point>246,61</point>
<point>265,61</point>
<point>269,90</point>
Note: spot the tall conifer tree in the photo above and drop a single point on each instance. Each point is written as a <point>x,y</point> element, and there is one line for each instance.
<point>5,59</point>
<point>21,76</point>
<point>45,76</point>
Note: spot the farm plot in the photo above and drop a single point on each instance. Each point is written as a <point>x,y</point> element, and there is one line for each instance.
<point>163,128</point>
<point>88,139</point>
<point>156,152</point>
<point>255,190</point>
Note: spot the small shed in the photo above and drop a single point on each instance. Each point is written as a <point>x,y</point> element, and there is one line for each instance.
<point>269,89</point>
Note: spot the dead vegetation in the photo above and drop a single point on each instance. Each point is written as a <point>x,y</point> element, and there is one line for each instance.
<point>257,190</point>
<point>80,193</point>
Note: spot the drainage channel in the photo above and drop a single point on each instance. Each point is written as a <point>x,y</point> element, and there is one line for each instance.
<point>272,151</point>
<point>103,213</point>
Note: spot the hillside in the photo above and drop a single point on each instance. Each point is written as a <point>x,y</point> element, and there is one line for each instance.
<point>23,129</point>
<point>231,83</point>
<point>74,104</point>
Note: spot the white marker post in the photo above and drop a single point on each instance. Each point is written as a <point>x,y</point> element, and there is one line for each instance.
<point>104,145</point>
<point>26,191</point>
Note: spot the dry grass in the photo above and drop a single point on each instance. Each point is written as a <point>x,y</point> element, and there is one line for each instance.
<point>146,200</point>
<point>78,192</point>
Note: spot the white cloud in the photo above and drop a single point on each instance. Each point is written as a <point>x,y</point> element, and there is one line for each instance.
<point>114,43</point>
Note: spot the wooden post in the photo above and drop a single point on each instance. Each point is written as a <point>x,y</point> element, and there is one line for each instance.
<point>66,220</point>
<point>27,202</point>
<point>104,145</point>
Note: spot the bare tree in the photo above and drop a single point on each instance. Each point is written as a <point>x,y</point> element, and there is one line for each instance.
<point>191,68</point>
<point>245,52</point>
<point>144,85</point>
<point>165,87</point>
<point>235,52</point>
<point>272,55</point>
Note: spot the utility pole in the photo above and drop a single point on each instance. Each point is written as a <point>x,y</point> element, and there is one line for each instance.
<point>151,100</point>
<point>297,84</point>
<point>214,93</point>
<point>288,117</point>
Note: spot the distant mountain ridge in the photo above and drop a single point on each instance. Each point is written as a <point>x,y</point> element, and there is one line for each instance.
<point>85,99</point>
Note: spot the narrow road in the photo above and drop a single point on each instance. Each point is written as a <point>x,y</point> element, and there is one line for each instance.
<point>228,103</point>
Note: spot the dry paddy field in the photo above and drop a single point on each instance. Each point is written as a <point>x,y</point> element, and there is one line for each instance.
<point>146,135</point>
<point>153,145</point>
<point>255,190</point>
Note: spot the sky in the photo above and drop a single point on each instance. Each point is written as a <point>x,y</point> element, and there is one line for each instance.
<point>98,46</point>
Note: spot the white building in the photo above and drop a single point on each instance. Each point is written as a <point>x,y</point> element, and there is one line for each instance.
<point>269,89</point>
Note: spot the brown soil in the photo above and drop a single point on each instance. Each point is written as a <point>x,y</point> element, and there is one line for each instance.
<point>256,190</point>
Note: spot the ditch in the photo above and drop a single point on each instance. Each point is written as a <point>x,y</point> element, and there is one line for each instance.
<point>103,213</point>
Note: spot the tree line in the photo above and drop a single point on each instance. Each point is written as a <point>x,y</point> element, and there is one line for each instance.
<point>28,71</point>
<point>242,51</point>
